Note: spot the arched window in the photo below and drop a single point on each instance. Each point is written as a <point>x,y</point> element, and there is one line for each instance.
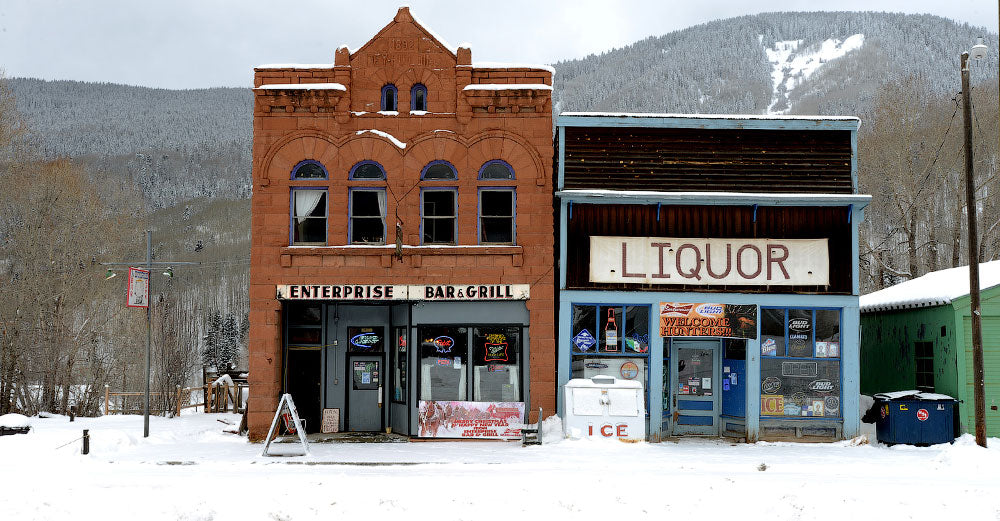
<point>496,169</point>
<point>309,169</point>
<point>388,97</point>
<point>439,170</point>
<point>367,170</point>
<point>418,97</point>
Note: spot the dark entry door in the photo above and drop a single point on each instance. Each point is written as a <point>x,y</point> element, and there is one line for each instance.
<point>696,386</point>
<point>304,384</point>
<point>365,385</point>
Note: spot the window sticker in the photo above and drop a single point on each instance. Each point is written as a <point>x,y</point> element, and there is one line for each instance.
<point>584,341</point>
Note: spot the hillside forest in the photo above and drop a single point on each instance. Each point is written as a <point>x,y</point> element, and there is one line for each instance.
<point>86,168</point>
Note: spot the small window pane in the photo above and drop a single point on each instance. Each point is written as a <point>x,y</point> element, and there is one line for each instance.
<point>443,359</point>
<point>584,331</point>
<point>309,171</point>
<point>636,339</point>
<point>389,98</point>
<point>440,171</point>
<point>367,209</point>
<point>496,223</point>
<point>610,329</point>
<point>419,98</point>
<point>496,364</point>
<point>439,217</point>
<point>368,171</point>
<point>800,332</point>
<point>497,170</point>
<point>304,335</point>
<point>772,332</point>
<point>304,314</point>
<point>399,378</point>
<point>309,217</point>
<point>827,333</point>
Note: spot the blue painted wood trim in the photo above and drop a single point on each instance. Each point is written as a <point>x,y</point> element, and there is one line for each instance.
<point>563,224</point>
<point>655,364</point>
<point>713,198</point>
<point>563,357</point>
<point>857,217</point>
<point>850,369</point>
<point>561,181</point>
<point>752,378</point>
<point>689,121</point>
<point>854,160</point>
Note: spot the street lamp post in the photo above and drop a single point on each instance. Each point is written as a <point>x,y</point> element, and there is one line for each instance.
<point>978,52</point>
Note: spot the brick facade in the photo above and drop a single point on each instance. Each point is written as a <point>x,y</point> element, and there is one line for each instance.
<point>466,127</point>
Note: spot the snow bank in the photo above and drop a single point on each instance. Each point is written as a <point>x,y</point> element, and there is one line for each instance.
<point>552,430</point>
<point>936,288</point>
<point>386,135</point>
<point>14,421</point>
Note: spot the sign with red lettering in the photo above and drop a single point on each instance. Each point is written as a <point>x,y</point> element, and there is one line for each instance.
<point>484,420</point>
<point>710,262</point>
<point>922,414</point>
<point>450,292</point>
<point>708,319</point>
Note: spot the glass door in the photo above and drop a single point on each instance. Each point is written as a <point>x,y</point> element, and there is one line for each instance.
<point>695,368</point>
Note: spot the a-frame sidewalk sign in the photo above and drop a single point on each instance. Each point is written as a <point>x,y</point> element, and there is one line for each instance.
<point>286,406</point>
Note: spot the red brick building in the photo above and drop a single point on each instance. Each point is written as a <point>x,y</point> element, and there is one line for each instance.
<point>401,235</point>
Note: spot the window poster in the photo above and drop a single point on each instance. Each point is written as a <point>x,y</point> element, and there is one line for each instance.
<point>683,319</point>
<point>366,375</point>
<point>470,420</point>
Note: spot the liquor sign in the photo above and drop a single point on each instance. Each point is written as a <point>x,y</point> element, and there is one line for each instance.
<point>482,420</point>
<point>707,319</point>
<point>445,292</point>
<point>138,288</point>
<point>710,262</point>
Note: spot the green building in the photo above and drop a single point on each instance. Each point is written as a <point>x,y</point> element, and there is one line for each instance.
<point>918,335</point>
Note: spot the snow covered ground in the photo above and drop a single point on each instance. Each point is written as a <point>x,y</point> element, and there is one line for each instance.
<point>190,469</point>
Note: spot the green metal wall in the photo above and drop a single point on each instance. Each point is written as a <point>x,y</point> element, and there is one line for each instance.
<point>887,349</point>
<point>990,305</point>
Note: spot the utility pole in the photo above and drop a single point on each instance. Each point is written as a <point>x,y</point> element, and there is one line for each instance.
<point>972,210</point>
<point>149,324</point>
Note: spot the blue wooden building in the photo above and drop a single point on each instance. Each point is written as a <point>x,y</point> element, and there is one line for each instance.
<point>714,259</point>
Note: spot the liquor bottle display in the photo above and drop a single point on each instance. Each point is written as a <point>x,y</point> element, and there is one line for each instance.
<point>611,332</point>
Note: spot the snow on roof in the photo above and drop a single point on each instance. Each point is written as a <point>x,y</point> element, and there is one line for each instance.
<point>706,116</point>
<point>936,288</point>
<point>508,86</point>
<point>302,86</point>
<point>386,135</point>
<point>295,66</point>
<point>505,65</point>
<point>436,36</point>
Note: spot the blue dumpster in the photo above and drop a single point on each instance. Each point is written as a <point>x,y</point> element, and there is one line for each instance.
<point>915,418</point>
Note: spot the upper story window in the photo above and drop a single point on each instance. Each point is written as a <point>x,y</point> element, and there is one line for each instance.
<point>496,170</point>
<point>438,215</point>
<point>436,170</point>
<point>496,216</point>
<point>388,98</point>
<point>367,170</point>
<point>309,169</point>
<point>309,214</point>
<point>367,216</point>
<point>418,97</point>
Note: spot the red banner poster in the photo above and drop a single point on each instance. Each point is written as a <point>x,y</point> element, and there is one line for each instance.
<point>482,420</point>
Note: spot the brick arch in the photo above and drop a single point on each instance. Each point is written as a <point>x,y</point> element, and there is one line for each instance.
<point>435,146</point>
<point>482,147</point>
<point>294,147</point>
<point>367,147</point>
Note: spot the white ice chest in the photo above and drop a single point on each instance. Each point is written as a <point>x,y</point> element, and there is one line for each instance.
<point>605,407</point>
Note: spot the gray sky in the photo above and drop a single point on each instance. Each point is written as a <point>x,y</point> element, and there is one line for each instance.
<point>211,43</point>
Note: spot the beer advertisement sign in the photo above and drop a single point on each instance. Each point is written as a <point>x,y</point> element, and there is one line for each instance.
<point>708,319</point>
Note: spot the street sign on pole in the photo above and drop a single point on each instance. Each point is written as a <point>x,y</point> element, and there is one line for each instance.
<point>138,288</point>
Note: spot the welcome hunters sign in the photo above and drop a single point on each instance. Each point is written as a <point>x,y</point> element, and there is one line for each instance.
<point>403,292</point>
<point>710,262</point>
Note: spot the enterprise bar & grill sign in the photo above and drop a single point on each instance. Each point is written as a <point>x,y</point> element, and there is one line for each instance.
<point>710,262</point>
<point>462,292</point>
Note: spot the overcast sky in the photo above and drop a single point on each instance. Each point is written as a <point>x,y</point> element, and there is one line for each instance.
<point>211,43</point>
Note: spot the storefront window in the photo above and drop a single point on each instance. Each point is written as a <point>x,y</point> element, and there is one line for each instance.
<point>399,357</point>
<point>610,329</point>
<point>496,364</point>
<point>805,380</point>
<point>305,325</point>
<point>443,355</point>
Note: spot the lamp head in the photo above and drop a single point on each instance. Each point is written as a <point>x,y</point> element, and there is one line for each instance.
<point>978,51</point>
<point>110,274</point>
<point>169,272</point>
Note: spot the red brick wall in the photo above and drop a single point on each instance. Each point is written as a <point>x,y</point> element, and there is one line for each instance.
<point>466,128</point>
